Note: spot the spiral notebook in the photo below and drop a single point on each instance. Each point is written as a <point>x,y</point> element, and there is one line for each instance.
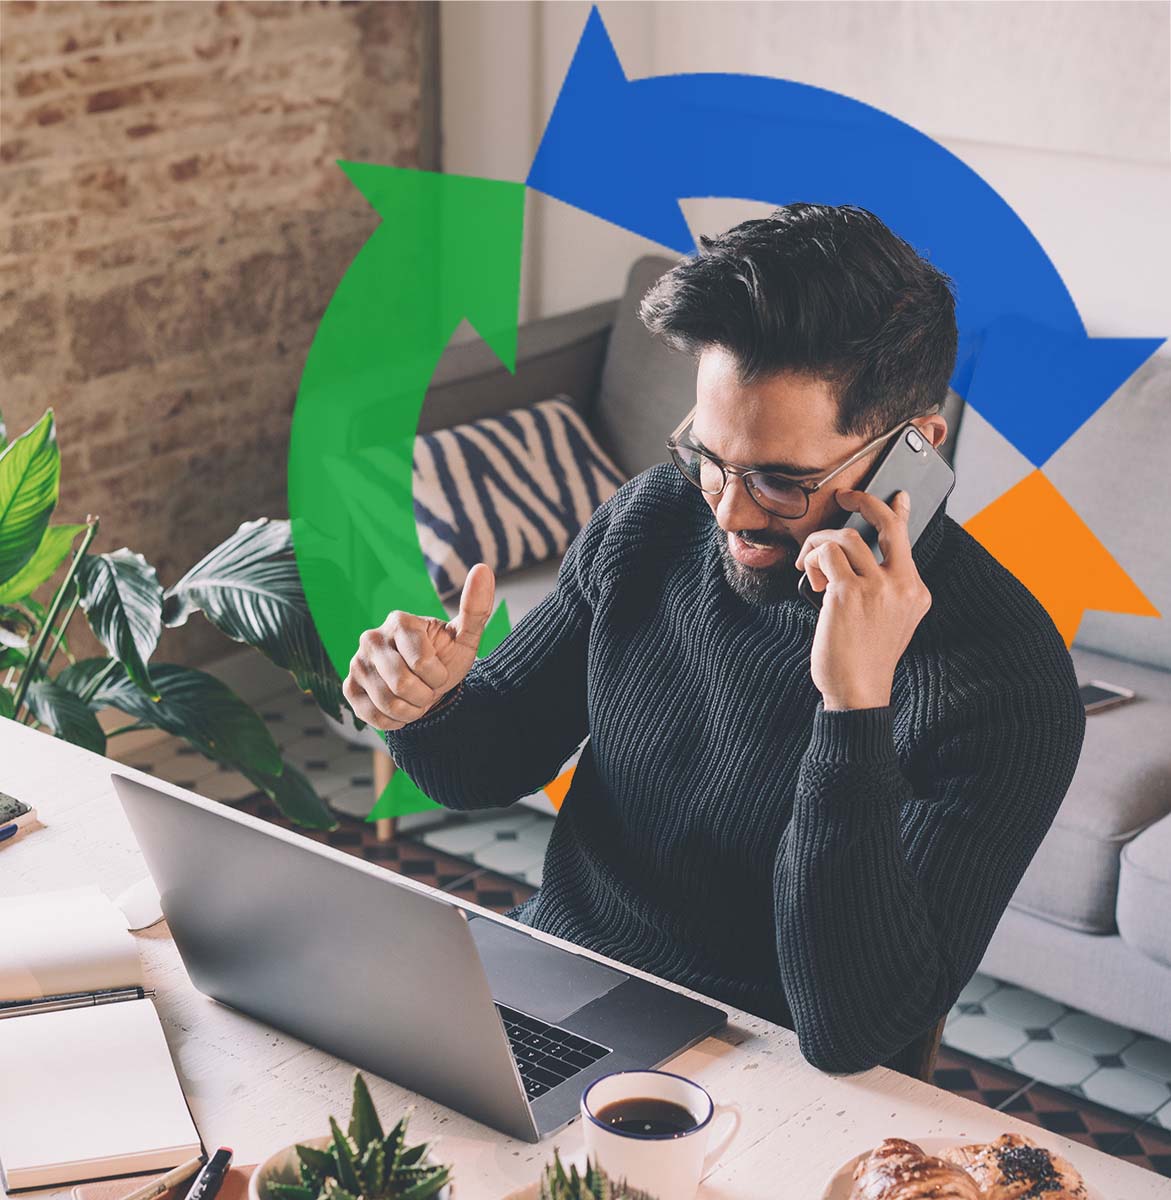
<point>88,1091</point>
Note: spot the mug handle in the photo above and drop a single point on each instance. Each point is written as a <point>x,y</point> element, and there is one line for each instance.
<point>713,1156</point>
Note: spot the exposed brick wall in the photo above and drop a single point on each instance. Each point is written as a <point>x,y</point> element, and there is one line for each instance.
<point>172,226</point>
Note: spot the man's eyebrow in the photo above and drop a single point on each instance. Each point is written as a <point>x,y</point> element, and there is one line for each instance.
<point>784,468</point>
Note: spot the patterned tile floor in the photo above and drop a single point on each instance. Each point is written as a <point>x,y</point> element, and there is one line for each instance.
<point>1008,1048</point>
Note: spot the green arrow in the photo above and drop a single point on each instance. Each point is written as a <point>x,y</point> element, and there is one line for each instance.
<point>448,247</point>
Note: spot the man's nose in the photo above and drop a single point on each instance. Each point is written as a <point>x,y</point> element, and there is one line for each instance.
<point>736,508</point>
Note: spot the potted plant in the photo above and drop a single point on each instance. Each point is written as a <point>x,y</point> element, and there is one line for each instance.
<point>248,587</point>
<point>593,1184</point>
<point>358,1163</point>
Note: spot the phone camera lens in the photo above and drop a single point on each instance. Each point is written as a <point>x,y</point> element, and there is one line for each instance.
<point>914,441</point>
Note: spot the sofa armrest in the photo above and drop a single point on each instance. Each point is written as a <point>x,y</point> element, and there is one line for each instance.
<point>562,353</point>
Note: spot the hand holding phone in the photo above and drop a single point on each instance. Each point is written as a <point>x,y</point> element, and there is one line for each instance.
<point>909,464</point>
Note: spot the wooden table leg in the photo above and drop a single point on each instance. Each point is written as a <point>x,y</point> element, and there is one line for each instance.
<point>384,767</point>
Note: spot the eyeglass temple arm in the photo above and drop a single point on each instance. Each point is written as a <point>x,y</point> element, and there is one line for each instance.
<point>683,424</point>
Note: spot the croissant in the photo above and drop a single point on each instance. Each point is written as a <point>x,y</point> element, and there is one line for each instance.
<point>1013,1168</point>
<point>900,1170</point>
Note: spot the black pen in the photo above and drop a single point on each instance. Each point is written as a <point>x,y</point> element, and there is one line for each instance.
<point>208,1181</point>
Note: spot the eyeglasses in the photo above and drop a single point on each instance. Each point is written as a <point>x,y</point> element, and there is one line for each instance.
<point>775,493</point>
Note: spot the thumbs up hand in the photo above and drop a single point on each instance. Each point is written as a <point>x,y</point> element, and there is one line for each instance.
<point>409,663</point>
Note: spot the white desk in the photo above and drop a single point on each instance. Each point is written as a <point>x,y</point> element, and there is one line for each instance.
<point>257,1090</point>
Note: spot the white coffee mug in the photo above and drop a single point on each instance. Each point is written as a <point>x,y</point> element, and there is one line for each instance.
<point>667,1165</point>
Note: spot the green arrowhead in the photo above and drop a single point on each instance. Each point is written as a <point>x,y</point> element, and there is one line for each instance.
<point>448,247</point>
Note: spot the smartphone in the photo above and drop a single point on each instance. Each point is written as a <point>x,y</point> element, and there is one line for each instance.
<point>908,464</point>
<point>1097,695</point>
<point>15,816</point>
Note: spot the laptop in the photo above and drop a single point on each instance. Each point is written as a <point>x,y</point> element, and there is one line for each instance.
<point>441,996</point>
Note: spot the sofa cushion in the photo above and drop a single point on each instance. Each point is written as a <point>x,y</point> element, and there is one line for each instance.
<point>647,388</point>
<point>1144,893</point>
<point>562,353</point>
<point>510,490</point>
<point>1121,786</point>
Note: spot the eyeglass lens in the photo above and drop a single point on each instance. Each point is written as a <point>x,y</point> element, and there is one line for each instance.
<point>778,495</point>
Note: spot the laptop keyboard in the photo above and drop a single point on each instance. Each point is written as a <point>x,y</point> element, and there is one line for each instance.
<point>546,1055</point>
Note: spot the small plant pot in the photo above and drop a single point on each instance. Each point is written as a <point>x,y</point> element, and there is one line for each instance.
<point>282,1167</point>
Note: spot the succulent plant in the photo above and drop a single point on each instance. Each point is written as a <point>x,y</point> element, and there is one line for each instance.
<point>363,1163</point>
<point>595,1184</point>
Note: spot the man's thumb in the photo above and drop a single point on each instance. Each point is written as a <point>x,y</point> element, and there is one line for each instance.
<point>475,605</point>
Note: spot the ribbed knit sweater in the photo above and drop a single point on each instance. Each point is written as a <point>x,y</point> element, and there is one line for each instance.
<point>839,872</point>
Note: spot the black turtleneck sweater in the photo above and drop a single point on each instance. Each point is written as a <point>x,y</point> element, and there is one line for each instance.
<point>837,872</point>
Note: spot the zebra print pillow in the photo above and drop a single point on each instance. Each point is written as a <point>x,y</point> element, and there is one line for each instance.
<point>510,490</point>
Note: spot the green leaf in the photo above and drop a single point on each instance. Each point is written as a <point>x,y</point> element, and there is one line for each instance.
<point>65,714</point>
<point>295,796</point>
<point>249,588</point>
<point>334,1191</point>
<point>365,1127</point>
<point>427,1187</point>
<point>316,1162</point>
<point>409,1157</point>
<point>45,560</point>
<point>372,1168</point>
<point>192,705</point>
<point>123,602</point>
<point>290,1191</point>
<point>12,656</point>
<point>6,705</point>
<point>30,472</point>
<point>394,1142</point>
<point>343,1157</point>
<point>3,433</point>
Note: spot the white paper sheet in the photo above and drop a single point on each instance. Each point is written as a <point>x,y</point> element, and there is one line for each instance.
<point>89,1092</point>
<point>73,940</point>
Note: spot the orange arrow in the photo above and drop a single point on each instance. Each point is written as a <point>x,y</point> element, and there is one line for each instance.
<point>557,789</point>
<point>1033,532</point>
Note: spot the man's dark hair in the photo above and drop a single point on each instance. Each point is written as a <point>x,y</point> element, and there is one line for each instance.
<point>824,291</point>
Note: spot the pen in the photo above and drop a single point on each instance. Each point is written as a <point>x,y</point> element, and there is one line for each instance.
<point>21,1008</point>
<point>149,1191</point>
<point>208,1181</point>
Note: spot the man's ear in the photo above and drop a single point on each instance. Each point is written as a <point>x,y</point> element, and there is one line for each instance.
<point>935,427</point>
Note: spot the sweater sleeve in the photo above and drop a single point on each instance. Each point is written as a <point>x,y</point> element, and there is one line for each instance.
<point>887,893</point>
<point>520,711</point>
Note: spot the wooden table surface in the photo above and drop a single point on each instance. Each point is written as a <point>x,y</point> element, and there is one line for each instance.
<point>257,1090</point>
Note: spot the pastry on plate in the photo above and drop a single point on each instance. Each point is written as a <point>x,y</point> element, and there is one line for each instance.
<point>900,1170</point>
<point>1013,1168</point>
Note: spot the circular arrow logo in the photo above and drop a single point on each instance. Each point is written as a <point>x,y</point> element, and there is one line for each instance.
<point>626,151</point>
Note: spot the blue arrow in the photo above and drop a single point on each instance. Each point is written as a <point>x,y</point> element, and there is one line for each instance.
<point>1038,385</point>
<point>626,151</point>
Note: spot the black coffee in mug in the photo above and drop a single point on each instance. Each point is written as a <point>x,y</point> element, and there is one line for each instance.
<point>646,1116</point>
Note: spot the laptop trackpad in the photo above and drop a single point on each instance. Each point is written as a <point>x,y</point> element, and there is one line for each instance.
<point>530,975</point>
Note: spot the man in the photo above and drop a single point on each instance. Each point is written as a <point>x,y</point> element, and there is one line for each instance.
<point>817,816</point>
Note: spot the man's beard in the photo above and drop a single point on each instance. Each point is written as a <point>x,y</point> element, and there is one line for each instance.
<point>762,585</point>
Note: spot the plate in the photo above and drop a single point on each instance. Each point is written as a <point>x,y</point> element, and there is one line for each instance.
<point>843,1180</point>
<point>533,1190</point>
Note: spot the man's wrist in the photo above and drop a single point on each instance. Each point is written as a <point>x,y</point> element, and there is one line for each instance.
<point>444,700</point>
<point>842,703</point>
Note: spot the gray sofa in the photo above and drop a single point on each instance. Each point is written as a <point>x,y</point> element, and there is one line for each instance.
<point>1090,924</point>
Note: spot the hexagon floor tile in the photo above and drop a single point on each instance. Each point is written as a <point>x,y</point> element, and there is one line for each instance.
<point>1092,1034</point>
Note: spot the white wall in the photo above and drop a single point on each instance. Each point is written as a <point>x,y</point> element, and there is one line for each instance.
<point>1064,108</point>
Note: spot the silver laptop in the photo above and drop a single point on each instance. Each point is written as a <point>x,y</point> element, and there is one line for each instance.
<point>409,982</point>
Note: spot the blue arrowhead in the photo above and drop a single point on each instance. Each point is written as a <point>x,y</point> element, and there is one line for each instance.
<point>598,152</point>
<point>1038,385</point>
